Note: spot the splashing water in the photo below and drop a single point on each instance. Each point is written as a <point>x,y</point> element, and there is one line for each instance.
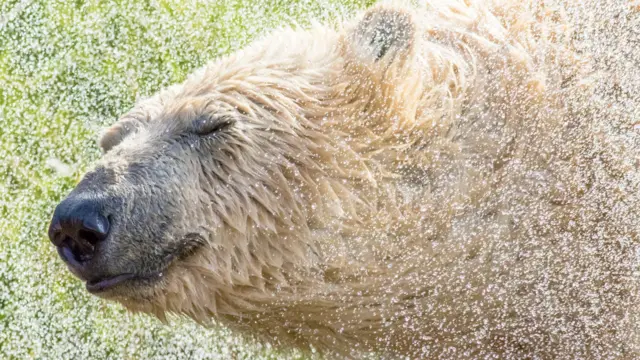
<point>69,68</point>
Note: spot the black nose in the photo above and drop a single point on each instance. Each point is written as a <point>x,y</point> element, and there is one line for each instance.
<point>77,227</point>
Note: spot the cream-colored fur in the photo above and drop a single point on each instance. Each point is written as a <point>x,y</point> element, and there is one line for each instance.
<point>444,192</point>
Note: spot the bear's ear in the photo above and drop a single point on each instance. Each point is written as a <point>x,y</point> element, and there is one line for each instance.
<point>383,35</point>
<point>117,132</point>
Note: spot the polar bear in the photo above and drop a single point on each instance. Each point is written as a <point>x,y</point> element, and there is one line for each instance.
<point>425,182</point>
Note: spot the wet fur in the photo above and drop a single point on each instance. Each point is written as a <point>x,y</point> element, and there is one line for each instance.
<point>441,190</point>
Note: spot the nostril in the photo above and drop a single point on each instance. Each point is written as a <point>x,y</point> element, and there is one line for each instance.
<point>90,236</point>
<point>95,228</point>
<point>78,249</point>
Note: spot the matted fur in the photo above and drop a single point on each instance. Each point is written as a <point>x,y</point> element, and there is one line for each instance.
<point>445,191</point>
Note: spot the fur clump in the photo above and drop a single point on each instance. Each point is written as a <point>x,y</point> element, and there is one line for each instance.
<point>435,182</point>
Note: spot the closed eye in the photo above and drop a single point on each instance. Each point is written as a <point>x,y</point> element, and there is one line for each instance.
<point>208,125</point>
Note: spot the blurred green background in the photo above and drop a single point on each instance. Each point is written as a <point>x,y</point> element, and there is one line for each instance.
<point>68,68</point>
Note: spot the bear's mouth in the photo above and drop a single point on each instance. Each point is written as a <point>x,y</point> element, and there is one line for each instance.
<point>190,243</point>
<point>104,284</point>
<point>100,285</point>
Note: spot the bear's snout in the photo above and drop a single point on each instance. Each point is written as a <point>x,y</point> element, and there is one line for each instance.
<point>77,229</point>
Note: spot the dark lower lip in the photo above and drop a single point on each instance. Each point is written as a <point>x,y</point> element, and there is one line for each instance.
<point>106,284</point>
